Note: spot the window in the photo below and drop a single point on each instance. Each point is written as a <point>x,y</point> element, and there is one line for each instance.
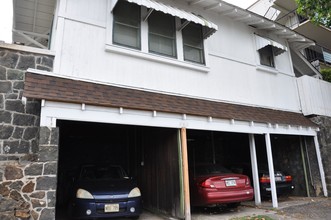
<point>162,34</point>
<point>193,43</point>
<point>267,56</point>
<point>127,25</point>
<point>154,29</point>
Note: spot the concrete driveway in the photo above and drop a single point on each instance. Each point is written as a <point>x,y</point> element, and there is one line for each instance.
<point>294,208</point>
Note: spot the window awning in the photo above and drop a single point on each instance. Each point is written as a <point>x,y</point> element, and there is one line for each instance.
<point>262,42</point>
<point>212,28</point>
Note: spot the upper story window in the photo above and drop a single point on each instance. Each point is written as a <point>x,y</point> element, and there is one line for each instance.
<point>162,34</point>
<point>267,56</point>
<point>126,30</point>
<point>193,43</point>
<point>268,50</point>
<point>156,29</point>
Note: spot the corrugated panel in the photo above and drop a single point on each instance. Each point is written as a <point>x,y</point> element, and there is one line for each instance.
<point>177,13</point>
<point>262,42</point>
<point>315,96</point>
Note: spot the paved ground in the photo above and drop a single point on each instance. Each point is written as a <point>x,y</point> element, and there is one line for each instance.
<point>309,208</point>
<point>292,208</point>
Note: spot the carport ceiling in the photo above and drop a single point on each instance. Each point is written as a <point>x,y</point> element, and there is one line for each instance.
<point>32,21</point>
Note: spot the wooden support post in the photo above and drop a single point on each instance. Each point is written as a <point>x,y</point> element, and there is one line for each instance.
<point>185,175</point>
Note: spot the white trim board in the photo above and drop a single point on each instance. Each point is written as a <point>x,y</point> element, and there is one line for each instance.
<point>52,111</point>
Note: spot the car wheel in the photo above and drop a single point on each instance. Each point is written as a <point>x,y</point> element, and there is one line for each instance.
<point>233,205</point>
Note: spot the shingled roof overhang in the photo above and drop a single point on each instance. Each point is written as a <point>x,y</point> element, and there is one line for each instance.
<point>59,89</point>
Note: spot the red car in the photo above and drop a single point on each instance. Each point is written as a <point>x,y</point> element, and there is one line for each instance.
<point>213,185</point>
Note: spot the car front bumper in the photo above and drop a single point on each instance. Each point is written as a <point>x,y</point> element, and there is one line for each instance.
<point>90,208</point>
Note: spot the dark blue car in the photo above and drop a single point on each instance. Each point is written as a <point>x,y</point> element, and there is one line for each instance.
<point>105,191</point>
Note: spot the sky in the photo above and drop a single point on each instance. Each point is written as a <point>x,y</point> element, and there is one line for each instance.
<point>6,16</point>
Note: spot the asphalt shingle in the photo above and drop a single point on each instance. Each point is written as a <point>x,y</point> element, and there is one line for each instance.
<point>74,91</point>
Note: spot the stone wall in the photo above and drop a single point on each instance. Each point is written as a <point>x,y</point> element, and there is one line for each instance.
<point>324,139</point>
<point>28,153</point>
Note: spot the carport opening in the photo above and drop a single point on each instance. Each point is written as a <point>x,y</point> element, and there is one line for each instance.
<point>232,151</point>
<point>148,154</point>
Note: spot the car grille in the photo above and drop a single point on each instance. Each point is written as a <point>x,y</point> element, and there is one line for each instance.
<point>110,200</point>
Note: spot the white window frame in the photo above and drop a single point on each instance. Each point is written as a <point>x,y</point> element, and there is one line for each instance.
<point>144,52</point>
<point>261,67</point>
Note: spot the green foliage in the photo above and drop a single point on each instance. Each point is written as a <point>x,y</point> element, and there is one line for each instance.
<point>318,11</point>
<point>326,73</point>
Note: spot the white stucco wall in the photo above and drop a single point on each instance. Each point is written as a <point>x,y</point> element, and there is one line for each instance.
<point>232,72</point>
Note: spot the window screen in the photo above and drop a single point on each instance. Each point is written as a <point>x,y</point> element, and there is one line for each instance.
<point>266,56</point>
<point>193,43</point>
<point>162,34</point>
<point>126,30</point>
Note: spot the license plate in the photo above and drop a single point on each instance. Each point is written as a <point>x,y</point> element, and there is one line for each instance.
<point>278,178</point>
<point>230,182</point>
<point>112,208</point>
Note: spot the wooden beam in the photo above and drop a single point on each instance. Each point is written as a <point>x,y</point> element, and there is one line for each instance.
<point>228,12</point>
<point>148,14</point>
<point>209,7</point>
<point>255,22</point>
<point>29,39</point>
<point>187,206</point>
<point>195,2</point>
<point>243,17</point>
<point>272,26</point>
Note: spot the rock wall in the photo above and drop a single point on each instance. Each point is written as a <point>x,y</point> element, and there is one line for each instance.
<point>28,153</point>
<point>324,139</point>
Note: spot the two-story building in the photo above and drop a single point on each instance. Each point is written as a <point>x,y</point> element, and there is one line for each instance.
<point>157,87</point>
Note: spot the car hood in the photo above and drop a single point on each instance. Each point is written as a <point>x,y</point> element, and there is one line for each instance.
<point>101,187</point>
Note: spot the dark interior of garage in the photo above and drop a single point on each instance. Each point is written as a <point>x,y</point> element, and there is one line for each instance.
<point>232,150</point>
<point>148,154</point>
<point>151,155</point>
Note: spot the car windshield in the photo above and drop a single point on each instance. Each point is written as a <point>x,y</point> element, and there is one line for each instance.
<point>102,172</point>
<point>211,169</point>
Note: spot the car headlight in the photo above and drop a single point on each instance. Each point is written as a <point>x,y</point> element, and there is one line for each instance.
<point>135,192</point>
<point>83,194</point>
